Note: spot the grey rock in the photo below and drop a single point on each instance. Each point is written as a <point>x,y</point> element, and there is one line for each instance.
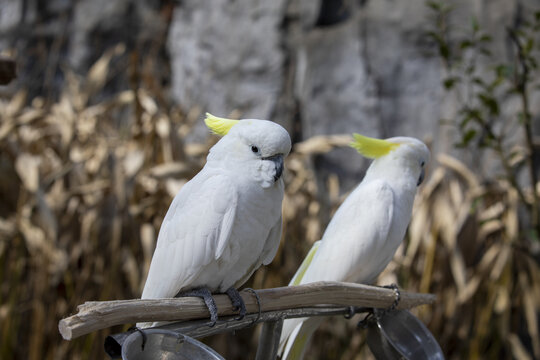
<point>226,56</point>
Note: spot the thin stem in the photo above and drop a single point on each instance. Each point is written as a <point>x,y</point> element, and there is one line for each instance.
<point>521,86</point>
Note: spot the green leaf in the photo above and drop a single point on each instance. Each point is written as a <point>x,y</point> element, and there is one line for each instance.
<point>490,103</point>
<point>468,136</point>
<point>478,81</point>
<point>504,70</point>
<point>485,51</point>
<point>450,81</point>
<point>474,24</point>
<point>434,5</point>
<point>466,44</point>
<point>459,145</point>
<point>521,117</point>
<point>485,38</point>
<point>532,63</point>
<point>444,50</point>
<point>529,44</point>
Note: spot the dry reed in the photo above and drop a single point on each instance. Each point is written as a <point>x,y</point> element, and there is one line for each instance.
<point>85,184</point>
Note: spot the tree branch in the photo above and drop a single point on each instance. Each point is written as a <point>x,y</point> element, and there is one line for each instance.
<point>93,316</point>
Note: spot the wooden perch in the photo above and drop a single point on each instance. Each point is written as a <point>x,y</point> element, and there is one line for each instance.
<point>97,315</point>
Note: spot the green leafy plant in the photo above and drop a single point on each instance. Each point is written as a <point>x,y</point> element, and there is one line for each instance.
<point>483,84</point>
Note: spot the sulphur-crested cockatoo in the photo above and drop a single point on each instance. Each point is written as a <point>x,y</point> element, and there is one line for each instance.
<point>365,231</point>
<point>226,221</point>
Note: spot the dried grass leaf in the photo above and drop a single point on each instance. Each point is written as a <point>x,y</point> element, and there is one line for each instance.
<point>490,227</point>
<point>130,268</point>
<point>460,168</point>
<point>518,350</point>
<point>148,104</point>
<point>530,309</point>
<point>6,128</point>
<point>418,230</point>
<point>173,186</point>
<point>470,289</point>
<point>172,169</point>
<point>16,104</point>
<point>148,240</point>
<point>97,75</point>
<point>27,167</point>
<point>502,301</point>
<point>29,116</point>
<point>322,144</point>
<point>38,245</point>
<point>501,262</point>
<point>511,218</point>
<point>133,162</point>
<point>495,211</point>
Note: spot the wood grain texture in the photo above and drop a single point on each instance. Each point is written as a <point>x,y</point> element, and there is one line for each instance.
<point>96,315</point>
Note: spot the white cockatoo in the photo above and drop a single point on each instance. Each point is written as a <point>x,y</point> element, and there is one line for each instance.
<point>365,231</point>
<point>226,221</point>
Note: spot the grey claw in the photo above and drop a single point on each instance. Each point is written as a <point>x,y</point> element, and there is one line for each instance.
<point>237,302</point>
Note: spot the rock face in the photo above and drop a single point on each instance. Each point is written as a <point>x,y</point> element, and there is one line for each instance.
<point>344,67</point>
<point>53,37</point>
<point>236,42</point>
<point>317,67</point>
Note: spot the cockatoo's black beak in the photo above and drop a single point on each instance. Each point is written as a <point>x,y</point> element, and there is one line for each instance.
<point>421,178</point>
<point>278,163</point>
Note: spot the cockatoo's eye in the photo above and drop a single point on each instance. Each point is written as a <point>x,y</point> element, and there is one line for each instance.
<point>422,164</point>
<point>254,149</point>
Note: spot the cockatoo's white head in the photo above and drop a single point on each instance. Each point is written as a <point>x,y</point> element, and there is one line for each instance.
<point>259,146</point>
<point>397,157</point>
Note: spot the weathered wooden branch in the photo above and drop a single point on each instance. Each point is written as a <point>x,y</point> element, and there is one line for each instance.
<point>97,315</point>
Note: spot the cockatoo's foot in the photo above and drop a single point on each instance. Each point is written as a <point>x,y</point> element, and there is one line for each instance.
<point>237,302</point>
<point>397,294</point>
<point>206,295</point>
<point>143,334</point>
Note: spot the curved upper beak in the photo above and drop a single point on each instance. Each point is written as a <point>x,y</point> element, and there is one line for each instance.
<point>278,163</point>
<point>421,178</point>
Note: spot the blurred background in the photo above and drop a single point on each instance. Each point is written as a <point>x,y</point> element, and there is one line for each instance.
<point>103,125</point>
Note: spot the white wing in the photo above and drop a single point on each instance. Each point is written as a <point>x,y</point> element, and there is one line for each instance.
<point>354,246</point>
<point>194,233</point>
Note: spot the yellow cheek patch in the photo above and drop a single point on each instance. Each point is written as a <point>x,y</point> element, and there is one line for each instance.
<point>372,148</point>
<point>219,126</point>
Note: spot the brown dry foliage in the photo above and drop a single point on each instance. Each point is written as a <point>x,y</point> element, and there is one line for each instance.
<point>83,192</point>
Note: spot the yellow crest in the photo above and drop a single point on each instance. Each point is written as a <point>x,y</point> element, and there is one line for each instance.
<point>219,126</point>
<point>372,148</point>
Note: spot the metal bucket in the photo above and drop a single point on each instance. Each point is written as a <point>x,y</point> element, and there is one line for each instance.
<point>165,345</point>
<point>400,335</point>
